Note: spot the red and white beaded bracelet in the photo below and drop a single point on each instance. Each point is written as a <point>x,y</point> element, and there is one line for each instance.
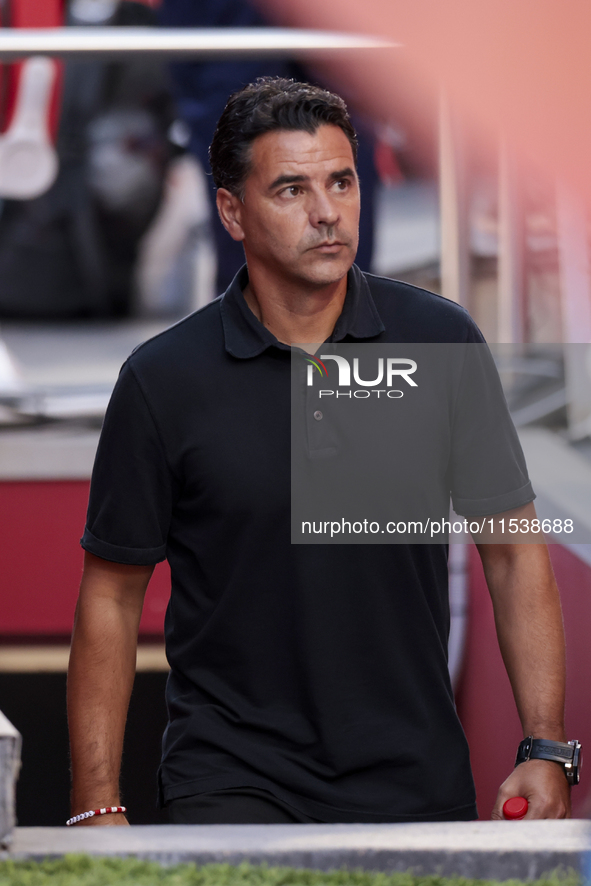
<point>105,811</point>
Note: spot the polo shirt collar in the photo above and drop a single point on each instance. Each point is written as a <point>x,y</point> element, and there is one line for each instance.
<point>245,336</point>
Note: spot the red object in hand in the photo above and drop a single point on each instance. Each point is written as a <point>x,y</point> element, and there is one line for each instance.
<point>515,808</point>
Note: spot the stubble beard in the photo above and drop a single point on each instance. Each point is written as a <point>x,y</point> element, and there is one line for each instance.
<point>330,233</point>
<point>326,268</point>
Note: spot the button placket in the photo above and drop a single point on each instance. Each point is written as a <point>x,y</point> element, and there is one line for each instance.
<point>320,433</point>
<point>319,440</point>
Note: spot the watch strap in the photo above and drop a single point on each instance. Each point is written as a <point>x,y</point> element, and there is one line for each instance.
<point>566,754</point>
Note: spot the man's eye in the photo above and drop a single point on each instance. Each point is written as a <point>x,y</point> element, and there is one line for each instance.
<point>292,191</point>
<point>342,184</point>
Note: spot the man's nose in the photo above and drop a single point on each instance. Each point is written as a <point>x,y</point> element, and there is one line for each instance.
<point>323,210</point>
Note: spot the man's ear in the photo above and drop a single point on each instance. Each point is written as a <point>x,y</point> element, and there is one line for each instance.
<point>230,212</point>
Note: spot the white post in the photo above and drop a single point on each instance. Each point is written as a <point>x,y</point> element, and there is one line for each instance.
<point>575,299</point>
<point>511,320</point>
<point>572,218</point>
<point>10,380</point>
<point>10,762</point>
<point>455,247</point>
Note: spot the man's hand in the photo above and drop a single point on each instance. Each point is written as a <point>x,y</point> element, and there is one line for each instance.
<point>544,786</point>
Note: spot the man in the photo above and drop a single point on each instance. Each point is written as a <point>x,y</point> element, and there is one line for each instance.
<point>308,682</point>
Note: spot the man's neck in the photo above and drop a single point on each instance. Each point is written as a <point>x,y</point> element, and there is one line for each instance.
<point>296,314</point>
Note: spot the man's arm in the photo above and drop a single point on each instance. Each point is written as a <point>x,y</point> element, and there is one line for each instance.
<point>529,626</point>
<point>100,679</point>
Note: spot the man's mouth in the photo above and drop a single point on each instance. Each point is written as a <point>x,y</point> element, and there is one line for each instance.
<point>329,246</point>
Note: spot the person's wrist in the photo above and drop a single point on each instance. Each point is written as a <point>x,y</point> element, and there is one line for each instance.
<point>556,733</point>
<point>565,755</point>
<point>82,801</point>
<point>102,821</point>
<point>545,728</point>
<point>97,813</point>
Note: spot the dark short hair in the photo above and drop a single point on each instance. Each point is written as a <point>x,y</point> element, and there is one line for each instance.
<point>268,104</point>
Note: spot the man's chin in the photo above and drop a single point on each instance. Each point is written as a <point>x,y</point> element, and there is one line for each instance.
<point>327,271</point>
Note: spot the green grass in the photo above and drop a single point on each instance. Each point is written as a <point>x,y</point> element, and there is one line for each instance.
<point>82,870</point>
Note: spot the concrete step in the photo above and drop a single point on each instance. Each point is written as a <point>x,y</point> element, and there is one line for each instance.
<point>10,762</point>
<point>499,850</point>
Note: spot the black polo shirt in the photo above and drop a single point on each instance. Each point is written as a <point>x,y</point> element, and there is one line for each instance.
<point>316,672</point>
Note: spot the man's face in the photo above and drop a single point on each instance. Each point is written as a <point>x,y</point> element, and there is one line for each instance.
<point>299,217</point>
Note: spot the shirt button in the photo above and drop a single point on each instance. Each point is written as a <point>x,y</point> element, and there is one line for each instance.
<point>318,415</point>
